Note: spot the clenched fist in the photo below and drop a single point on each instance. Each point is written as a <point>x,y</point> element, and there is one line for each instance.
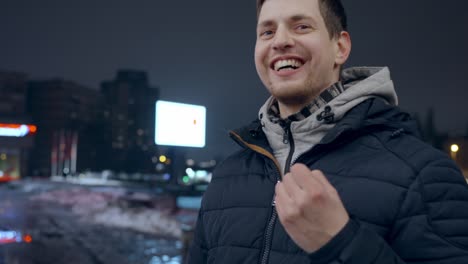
<point>309,208</point>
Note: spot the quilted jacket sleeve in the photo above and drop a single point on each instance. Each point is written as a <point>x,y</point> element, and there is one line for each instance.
<point>198,252</point>
<point>432,225</point>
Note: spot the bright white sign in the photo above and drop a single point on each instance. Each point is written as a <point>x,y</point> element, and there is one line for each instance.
<point>180,124</point>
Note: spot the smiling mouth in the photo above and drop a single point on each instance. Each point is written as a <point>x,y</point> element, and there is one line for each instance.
<point>285,65</point>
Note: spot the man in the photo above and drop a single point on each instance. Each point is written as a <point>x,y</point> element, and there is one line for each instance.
<point>332,171</point>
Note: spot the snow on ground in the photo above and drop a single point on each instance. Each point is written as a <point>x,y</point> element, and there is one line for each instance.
<point>148,221</point>
<point>116,207</point>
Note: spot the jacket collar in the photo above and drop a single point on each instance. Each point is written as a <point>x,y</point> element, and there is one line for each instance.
<point>371,115</point>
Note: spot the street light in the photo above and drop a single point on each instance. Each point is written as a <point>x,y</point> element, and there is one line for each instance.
<point>162,159</point>
<point>454,148</point>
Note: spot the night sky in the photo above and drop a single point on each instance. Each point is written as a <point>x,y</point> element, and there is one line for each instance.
<point>201,52</point>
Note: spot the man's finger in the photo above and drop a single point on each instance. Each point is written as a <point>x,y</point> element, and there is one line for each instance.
<point>291,186</point>
<point>303,176</point>
<point>288,211</point>
<point>282,198</point>
<point>281,191</point>
<point>318,175</point>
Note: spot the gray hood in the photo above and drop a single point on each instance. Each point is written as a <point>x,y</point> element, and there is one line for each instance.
<point>361,83</point>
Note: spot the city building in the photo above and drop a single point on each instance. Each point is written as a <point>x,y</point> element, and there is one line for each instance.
<point>128,122</point>
<point>16,129</point>
<point>67,140</point>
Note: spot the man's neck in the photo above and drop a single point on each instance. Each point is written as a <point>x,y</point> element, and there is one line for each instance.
<point>288,110</point>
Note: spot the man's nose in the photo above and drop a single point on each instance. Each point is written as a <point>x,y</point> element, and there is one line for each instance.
<point>283,39</point>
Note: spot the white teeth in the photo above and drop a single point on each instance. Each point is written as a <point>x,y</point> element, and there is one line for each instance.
<point>284,63</point>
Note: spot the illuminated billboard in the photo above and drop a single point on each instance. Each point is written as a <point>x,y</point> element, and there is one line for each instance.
<point>16,130</point>
<point>180,124</point>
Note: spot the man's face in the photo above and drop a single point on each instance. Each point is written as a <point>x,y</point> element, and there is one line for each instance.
<point>294,55</point>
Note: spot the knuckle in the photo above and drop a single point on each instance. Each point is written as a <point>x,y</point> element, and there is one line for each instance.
<point>292,214</point>
<point>317,195</point>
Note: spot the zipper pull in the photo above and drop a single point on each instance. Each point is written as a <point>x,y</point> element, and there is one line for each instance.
<point>287,131</point>
<point>273,203</point>
<point>286,136</point>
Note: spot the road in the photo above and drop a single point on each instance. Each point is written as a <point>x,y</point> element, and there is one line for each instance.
<point>86,228</point>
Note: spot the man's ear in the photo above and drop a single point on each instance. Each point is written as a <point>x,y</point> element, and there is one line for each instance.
<point>343,48</point>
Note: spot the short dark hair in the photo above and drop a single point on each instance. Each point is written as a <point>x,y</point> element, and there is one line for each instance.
<point>333,14</point>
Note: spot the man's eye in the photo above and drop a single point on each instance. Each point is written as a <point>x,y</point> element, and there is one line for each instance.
<point>302,27</point>
<point>266,33</point>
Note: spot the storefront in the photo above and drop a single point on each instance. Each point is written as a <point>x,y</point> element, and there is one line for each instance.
<point>15,142</point>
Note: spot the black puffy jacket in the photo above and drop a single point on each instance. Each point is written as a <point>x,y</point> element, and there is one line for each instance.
<point>408,202</point>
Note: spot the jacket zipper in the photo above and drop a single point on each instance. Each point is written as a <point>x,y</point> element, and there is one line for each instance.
<point>287,138</point>
<point>269,234</point>
<point>288,134</point>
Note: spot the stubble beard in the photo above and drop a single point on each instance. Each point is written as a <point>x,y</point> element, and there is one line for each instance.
<point>300,94</point>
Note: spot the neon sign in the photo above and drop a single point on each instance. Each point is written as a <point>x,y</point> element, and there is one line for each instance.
<point>10,236</point>
<point>16,130</point>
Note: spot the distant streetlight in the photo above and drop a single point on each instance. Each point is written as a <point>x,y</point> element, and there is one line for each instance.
<point>162,159</point>
<point>454,148</point>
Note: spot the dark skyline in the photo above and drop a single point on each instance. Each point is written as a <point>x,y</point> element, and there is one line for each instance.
<point>201,52</point>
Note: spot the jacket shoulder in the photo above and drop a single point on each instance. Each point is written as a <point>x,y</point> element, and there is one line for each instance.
<point>438,187</point>
<point>410,149</point>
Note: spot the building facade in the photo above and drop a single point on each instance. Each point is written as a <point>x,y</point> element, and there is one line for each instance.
<point>128,119</point>
<point>66,115</point>
<point>17,134</point>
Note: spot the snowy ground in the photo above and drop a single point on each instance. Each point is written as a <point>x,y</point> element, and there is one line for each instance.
<point>134,225</point>
<point>115,208</point>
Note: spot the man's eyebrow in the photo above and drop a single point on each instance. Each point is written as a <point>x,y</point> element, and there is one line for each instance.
<point>300,17</point>
<point>265,23</point>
